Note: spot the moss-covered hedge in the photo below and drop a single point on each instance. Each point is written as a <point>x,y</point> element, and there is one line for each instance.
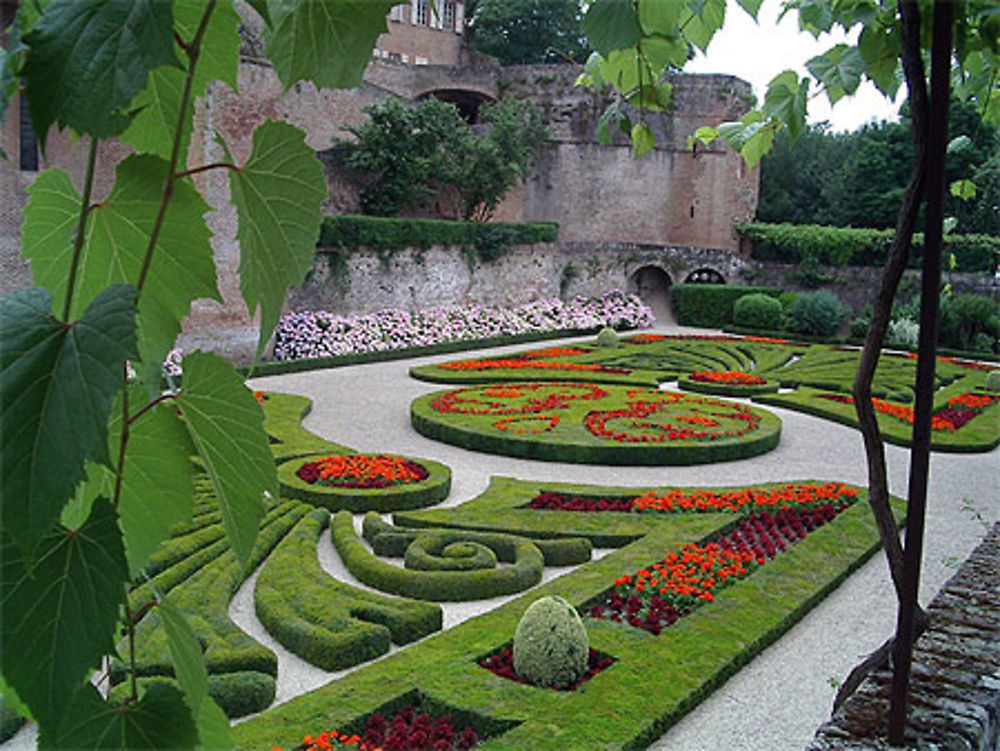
<point>393,233</point>
<point>627,706</point>
<point>847,246</point>
<point>324,621</point>
<point>711,305</point>
<point>441,586</point>
<point>394,498</point>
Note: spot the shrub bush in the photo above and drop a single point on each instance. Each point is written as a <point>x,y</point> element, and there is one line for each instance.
<point>843,246</point>
<point>817,313</point>
<point>710,305</point>
<point>388,233</point>
<point>757,311</point>
<point>993,381</point>
<point>903,331</point>
<point>608,337</point>
<point>550,644</point>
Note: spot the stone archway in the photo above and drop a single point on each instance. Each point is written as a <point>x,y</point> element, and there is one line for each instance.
<point>652,284</point>
<point>705,276</point>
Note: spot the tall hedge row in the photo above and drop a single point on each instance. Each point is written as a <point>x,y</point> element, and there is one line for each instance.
<point>711,305</point>
<point>847,246</point>
<point>350,232</point>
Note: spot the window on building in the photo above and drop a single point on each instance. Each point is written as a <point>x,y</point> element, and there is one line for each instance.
<point>423,12</point>
<point>449,15</point>
<point>28,144</point>
<point>396,14</point>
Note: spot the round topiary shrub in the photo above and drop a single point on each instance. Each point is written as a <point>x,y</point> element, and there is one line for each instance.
<point>993,380</point>
<point>550,644</point>
<point>608,337</point>
<point>817,313</point>
<point>757,311</point>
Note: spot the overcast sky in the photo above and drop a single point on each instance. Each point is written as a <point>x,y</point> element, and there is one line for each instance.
<point>756,52</point>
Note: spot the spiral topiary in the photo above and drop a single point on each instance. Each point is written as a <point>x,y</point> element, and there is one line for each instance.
<point>993,380</point>
<point>550,644</point>
<point>608,337</point>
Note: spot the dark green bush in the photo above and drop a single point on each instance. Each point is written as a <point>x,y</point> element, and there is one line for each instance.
<point>846,246</point>
<point>757,311</point>
<point>352,232</point>
<point>817,313</point>
<point>710,305</point>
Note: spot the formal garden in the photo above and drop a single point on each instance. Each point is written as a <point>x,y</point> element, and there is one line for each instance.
<point>470,526</point>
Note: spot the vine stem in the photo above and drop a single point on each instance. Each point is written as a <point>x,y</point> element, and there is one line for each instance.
<point>81,226</point>
<point>206,168</point>
<point>193,50</point>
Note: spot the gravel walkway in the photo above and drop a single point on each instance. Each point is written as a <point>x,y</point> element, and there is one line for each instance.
<point>778,700</point>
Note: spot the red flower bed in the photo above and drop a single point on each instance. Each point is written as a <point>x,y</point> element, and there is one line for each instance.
<point>260,396</point>
<point>490,400</point>
<point>637,412</point>
<point>408,730</point>
<point>502,663</point>
<point>650,338</point>
<point>365,471</point>
<point>529,362</point>
<point>554,352</point>
<point>654,598</point>
<point>728,377</point>
<point>954,361</point>
<point>958,411</point>
<point>548,501</point>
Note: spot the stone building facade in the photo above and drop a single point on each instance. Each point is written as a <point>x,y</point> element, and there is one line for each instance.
<point>599,195</point>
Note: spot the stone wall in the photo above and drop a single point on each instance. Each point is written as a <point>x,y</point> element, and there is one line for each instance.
<point>955,684</point>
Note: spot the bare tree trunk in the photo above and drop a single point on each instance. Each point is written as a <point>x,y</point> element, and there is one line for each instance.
<point>878,484</point>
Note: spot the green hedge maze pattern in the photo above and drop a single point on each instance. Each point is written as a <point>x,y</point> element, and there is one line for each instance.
<point>448,554</point>
<point>813,372</point>
<point>597,424</point>
<point>328,623</point>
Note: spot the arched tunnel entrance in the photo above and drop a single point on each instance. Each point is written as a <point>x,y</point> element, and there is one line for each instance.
<point>652,284</point>
<point>467,101</point>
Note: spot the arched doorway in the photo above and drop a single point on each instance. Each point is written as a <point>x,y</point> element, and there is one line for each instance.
<point>468,102</point>
<point>705,276</point>
<point>652,284</point>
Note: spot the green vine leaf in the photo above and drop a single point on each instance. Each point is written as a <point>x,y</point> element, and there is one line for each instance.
<point>152,130</point>
<point>185,653</point>
<point>642,139</point>
<point>278,194</point>
<point>89,58</point>
<point>702,20</point>
<point>658,17</point>
<point>57,384</point>
<point>879,47</point>
<point>786,100</point>
<point>613,25</point>
<point>964,190</point>
<point>157,465</point>
<point>328,42</point>
<point>182,269</point>
<point>159,720</point>
<point>226,425</point>
<point>840,69</point>
<point>60,610</point>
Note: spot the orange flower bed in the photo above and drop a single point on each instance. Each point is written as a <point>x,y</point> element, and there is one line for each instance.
<point>787,496</point>
<point>555,352</point>
<point>362,471</point>
<point>514,363</point>
<point>957,412</point>
<point>731,377</point>
<point>971,401</point>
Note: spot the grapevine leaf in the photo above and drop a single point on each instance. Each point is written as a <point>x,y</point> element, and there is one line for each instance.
<point>700,24</point>
<point>118,231</point>
<point>278,194</point>
<point>213,728</point>
<point>706,134</point>
<point>57,384</point>
<point>661,51</point>
<point>226,425</point>
<point>50,218</point>
<point>759,141</point>
<point>611,25</point>
<point>751,6</point>
<point>642,139</point>
<point>840,68</point>
<point>815,16</point>
<point>159,720</point>
<point>60,610</point>
<point>152,129</point>
<point>89,58</point>
<point>964,190</point>
<point>879,46</point>
<point>659,16</point>
<point>328,42</point>
<point>786,100</point>
<point>185,653</point>
<point>157,484</point>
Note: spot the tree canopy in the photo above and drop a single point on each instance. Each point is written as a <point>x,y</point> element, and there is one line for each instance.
<point>528,31</point>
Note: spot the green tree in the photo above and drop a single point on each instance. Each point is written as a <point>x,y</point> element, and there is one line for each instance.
<point>409,154</point>
<point>96,465</point>
<point>528,31</point>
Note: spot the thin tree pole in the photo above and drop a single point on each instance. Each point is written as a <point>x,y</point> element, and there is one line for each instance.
<point>937,139</point>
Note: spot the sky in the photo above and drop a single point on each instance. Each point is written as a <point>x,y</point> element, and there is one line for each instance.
<point>757,52</point>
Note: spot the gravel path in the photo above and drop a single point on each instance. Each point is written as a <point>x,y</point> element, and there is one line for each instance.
<point>778,700</point>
